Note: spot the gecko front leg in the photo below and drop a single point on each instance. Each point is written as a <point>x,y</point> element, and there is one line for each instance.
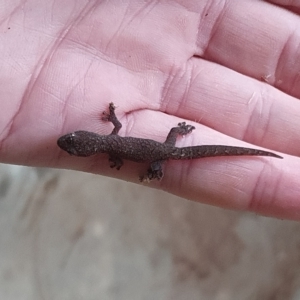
<point>114,161</point>
<point>111,117</point>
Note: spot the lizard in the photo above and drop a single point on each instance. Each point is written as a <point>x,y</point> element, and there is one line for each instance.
<point>85,143</point>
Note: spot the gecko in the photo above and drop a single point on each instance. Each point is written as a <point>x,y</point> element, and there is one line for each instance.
<point>85,143</point>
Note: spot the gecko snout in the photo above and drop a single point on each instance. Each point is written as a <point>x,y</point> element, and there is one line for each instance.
<point>68,144</point>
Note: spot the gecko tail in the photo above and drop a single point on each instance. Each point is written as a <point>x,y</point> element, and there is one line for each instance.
<point>217,150</point>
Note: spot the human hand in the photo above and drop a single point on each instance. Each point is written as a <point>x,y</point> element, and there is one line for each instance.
<point>230,71</point>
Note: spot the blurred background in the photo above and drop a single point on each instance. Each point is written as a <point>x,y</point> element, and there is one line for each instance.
<point>71,235</point>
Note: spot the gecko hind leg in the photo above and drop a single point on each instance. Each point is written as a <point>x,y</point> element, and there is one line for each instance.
<point>181,129</point>
<point>111,117</point>
<point>155,171</point>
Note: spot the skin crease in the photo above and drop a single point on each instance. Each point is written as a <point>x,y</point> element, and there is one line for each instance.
<point>219,66</point>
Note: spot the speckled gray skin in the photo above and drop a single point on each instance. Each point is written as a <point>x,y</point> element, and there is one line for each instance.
<point>84,143</point>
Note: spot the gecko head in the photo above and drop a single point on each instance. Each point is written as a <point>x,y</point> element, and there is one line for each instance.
<point>79,143</point>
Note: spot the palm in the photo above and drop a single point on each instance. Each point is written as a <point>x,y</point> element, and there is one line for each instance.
<point>161,64</point>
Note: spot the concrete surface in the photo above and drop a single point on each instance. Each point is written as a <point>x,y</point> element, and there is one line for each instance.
<point>70,235</point>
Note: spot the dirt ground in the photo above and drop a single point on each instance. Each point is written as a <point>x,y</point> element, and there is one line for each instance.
<point>70,235</point>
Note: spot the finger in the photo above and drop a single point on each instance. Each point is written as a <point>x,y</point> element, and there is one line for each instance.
<point>265,186</point>
<point>236,105</point>
<point>293,5</point>
<point>254,38</point>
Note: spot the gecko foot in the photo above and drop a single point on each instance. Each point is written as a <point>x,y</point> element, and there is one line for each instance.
<point>181,129</point>
<point>184,129</point>
<point>111,115</point>
<point>154,172</point>
<point>151,175</point>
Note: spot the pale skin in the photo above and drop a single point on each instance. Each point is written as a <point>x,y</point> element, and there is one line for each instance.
<point>223,67</point>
